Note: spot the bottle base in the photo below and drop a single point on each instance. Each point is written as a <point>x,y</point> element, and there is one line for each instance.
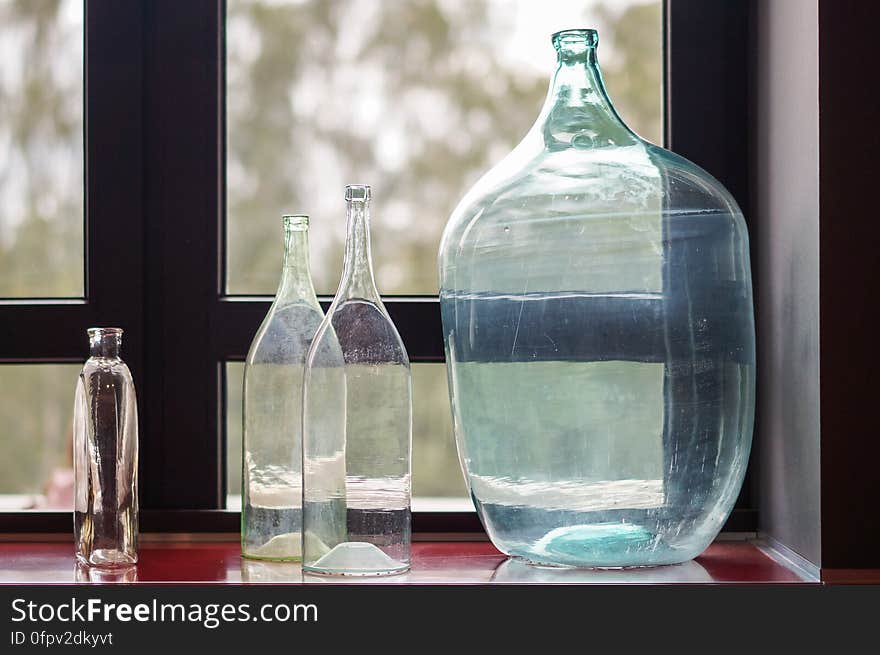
<point>538,564</point>
<point>285,547</point>
<point>604,546</point>
<point>108,558</point>
<point>356,559</point>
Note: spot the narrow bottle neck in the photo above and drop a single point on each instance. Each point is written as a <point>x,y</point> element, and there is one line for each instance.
<point>296,278</point>
<point>578,112</point>
<point>357,274</point>
<point>105,346</point>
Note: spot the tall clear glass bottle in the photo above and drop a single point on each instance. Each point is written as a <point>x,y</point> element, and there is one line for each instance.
<point>271,517</point>
<point>596,299</point>
<point>105,457</point>
<point>357,424</point>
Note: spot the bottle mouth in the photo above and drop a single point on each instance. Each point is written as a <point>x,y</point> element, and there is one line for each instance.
<point>94,332</point>
<point>295,221</point>
<point>358,192</point>
<point>577,39</point>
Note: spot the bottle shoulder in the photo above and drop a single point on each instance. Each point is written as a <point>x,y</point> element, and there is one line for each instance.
<point>357,331</point>
<point>286,332</point>
<point>104,378</point>
<point>106,367</point>
<point>642,178</point>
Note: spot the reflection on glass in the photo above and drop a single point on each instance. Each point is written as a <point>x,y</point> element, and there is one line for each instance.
<point>41,149</point>
<point>313,578</point>
<point>118,575</point>
<point>36,436</point>
<point>420,95</point>
<point>517,571</point>
<point>437,477</point>
<point>262,571</point>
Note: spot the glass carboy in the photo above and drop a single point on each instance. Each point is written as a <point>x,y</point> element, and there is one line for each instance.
<point>105,456</point>
<point>271,516</point>
<point>357,424</point>
<point>597,313</point>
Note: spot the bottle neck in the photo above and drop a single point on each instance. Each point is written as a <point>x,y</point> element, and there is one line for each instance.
<point>105,345</point>
<point>357,273</point>
<point>578,112</point>
<point>296,278</point>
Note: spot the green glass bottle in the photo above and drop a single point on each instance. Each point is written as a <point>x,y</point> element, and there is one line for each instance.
<point>271,516</point>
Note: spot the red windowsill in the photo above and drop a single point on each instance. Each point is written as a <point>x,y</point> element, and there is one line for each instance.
<point>432,563</point>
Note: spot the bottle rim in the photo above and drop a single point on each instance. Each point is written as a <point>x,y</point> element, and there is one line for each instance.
<point>103,331</point>
<point>578,36</point>
<point>361,192</point>
<point>295,220</point>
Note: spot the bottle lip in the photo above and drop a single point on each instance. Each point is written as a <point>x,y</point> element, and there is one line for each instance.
<point>360,192</point>
<point>584,37</point>
<point>295,221</point>
<point>104,331</point>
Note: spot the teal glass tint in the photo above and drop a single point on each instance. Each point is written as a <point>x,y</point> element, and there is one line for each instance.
<point>597,313</point>
<point>357,424</point>
<point>271,489</point>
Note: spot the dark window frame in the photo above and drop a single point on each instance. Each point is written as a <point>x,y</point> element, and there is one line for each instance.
<point>155,237</point>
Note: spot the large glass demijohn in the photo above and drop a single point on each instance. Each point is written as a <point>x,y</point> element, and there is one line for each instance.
<point>597,316</point>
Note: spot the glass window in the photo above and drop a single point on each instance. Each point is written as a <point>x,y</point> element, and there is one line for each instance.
<point>234,388</point>
<point>416,97</point>
<point>41,149</point>
<point>36,435</point>
<point>437,478</point>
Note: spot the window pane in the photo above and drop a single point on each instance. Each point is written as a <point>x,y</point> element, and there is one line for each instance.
<point>41,148</point>
<point>416,97</point>
<point>36,435</point>
<point>436,471</point>
<point>437,478</point>
<point>234,380</point>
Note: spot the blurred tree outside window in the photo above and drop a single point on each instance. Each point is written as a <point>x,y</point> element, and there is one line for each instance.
<point>415,97</point>
<point>41,148</point>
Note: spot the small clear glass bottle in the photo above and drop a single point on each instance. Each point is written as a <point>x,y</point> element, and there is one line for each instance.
<point>357,424</point>
<point>271,516</point>
<point>105,458</point>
